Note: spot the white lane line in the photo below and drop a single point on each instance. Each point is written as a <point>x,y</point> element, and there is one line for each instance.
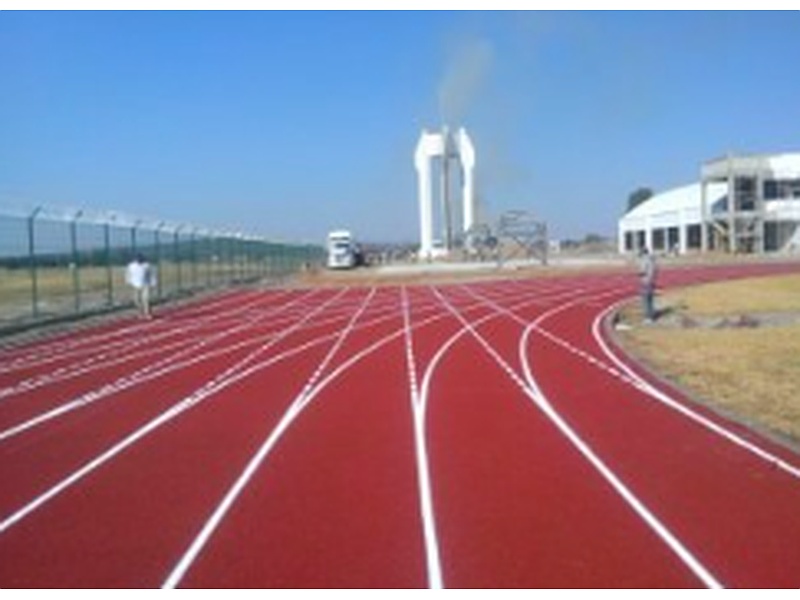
<point>250,358</point>
<point>433,555</point>
<point>432,559</point>
<point>179,571</point>
<point>532,390</point>
<point>171,413</point>
<point>627,375</point>
<point>650,390</point>
<point>108,355</point>
<point>123,355</point>
<point>86,344</point>
<point>198,396</point>
<point>148,373</point>
<point>210,526</point>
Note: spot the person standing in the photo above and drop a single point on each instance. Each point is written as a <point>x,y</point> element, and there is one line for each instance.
<point>647,282</point>
<point>139,275</point>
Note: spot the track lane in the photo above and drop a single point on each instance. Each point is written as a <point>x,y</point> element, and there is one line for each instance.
<point>379,551</point>
<point>56,399</point>
<point>60,447</point>
<point>543,521</point>
<point>166,460</point>
<point>50,393</point>
<point>736,509</point>
<point>517,493</point>
<point>333,504</point>
<point>137,512</point>
<point>121,334</point>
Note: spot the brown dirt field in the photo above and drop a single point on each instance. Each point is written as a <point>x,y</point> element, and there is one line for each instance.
<point>373,277</point>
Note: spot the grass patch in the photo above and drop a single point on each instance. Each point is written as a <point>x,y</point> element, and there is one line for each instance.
<point>753,371</point>
<point>757,295</point>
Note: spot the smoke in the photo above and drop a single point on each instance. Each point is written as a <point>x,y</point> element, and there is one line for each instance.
<point>467,68</point>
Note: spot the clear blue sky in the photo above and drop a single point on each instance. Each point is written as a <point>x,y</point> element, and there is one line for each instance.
<point>289,124</point>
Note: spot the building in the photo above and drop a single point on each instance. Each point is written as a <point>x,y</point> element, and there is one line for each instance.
<point>742,204</point>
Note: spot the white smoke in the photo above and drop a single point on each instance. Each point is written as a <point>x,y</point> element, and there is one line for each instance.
<point>467,70</point>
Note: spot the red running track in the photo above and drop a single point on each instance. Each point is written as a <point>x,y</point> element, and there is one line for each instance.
<point>480,435</point>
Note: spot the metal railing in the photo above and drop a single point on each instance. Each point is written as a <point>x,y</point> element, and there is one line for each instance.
<point>57,264</point>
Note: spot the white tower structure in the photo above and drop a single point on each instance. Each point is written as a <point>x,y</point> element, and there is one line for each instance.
<point>447,147</point>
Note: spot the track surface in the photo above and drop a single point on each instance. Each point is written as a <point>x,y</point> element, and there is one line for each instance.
<point>481,435</point>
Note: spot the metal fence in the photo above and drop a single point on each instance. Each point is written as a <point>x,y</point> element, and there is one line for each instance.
<point>57,263</point>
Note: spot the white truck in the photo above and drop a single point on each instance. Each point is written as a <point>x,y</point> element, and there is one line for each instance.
<point>342,250</point>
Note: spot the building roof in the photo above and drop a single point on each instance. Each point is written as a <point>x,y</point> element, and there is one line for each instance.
<point>686,199</point>
<point>778,166</point>
<point>682,205</point>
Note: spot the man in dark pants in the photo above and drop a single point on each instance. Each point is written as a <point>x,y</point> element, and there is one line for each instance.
<point>647,279</point>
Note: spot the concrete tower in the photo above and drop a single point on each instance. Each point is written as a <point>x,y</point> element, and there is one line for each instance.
<point>447,147</point>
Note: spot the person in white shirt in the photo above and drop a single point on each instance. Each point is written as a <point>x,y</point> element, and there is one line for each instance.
<point>139,275</point>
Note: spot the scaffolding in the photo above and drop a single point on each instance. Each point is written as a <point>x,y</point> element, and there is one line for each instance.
<point>522,235</point>
<point>736,223</point>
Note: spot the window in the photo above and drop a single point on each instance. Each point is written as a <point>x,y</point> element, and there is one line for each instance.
<point>659,241</point>
<point>781,189</point>
<point>693,239</point>
<point>673,238</point>
<point>628,241</point>
<point>745,193</point>
<point>770,189</point>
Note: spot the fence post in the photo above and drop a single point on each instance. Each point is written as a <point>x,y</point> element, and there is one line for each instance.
<point>159,273</point>
<point>32,262</point>
<point>134,245</point>
<point>231,258</point>
<point>219,273</point>
<point>76,281</point>
<point>242,248</point>
<point>193,255</point>
<point>109,274</point>
<point>208,245</point>
<point>176,254</point>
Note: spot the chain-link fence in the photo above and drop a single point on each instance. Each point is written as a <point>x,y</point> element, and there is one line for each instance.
<point>62,263</point>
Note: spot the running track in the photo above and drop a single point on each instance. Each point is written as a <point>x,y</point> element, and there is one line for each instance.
<point>480,435</point>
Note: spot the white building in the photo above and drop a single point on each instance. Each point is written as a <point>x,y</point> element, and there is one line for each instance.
<point>745,203</point>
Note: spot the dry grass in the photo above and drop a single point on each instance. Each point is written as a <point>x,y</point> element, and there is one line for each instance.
<point>56,286</point>
<point>758,295</point>
<point>750,372</point>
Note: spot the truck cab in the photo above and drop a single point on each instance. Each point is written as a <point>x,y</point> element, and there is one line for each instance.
<point>341,250</point>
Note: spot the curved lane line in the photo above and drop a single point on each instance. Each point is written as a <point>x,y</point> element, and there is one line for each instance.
<point>294,410</point>
<point>147,373</point>
<point>649,389</point>
<point>432,556</point>
<point>84,367</point>
<point>152,329</point>
<point>190,401</point>
<point>200,394</point>
<point>297,405</point>
<point>436,578</point>
<point>532,390</point>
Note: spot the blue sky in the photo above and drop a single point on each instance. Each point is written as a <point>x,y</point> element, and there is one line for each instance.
<point>290,124</point>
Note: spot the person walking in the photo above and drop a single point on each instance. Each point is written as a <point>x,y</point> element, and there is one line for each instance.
<point>647,283</point>
<point>139,275</point>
